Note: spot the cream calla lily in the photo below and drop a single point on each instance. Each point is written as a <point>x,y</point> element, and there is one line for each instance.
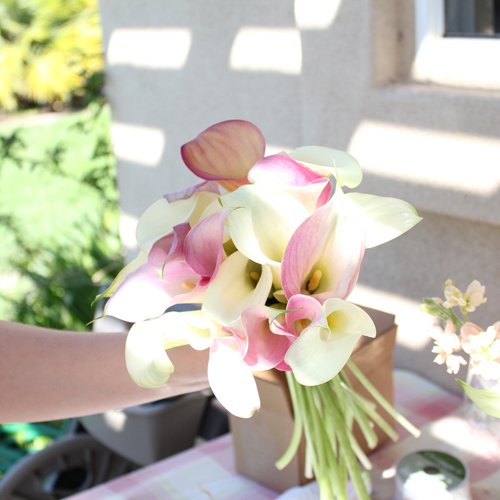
<point>263,225</point>
<point>160,218</point>
<point>239,284</point>
<point>324,345</point>
<point>327,161</point>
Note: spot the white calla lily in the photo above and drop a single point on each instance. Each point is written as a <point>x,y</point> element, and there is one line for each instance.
<point>234,289</point>
<point>159,219</point>
<point>384,218</point>
<point>324,347</point>
<point>263,223</point>
<point>327,162</point>
<point>145,352</point>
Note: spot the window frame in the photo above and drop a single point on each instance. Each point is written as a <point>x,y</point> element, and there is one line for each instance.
<point>452,61</point>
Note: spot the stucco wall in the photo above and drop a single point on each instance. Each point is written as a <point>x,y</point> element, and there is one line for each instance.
<point>337,74</point>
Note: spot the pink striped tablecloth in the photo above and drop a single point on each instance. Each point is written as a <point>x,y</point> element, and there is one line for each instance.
<point>207,472</point>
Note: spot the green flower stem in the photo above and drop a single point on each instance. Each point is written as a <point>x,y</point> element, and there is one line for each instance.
<point>345,449</point>
<point>382,401</point>
<point>338,482</point>
<point>365,425</point>
<point>297,429</point>
<point>360,417</point>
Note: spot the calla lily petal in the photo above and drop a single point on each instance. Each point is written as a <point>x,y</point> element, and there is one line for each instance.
<point>170,248</point>
<point>233,289</point>
<point>160,218</point>
<point>145,356</point>
<point>265,223</point>
<point>329,247</point>
<point>231,379</point>
<point>265,349</point>
<point>129,268</point>
<point>282,173</point>
<point>320,353</point>
<point>330,162</point>
<point>143,295</point>
<point>384,218</point>
<point>203,249</point>
<point>225,152</point>
<point>184,194</point>
<point>487,400</point>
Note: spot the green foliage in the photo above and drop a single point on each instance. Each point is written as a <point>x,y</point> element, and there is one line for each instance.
<point>50,52</point>
<point>62,238</point>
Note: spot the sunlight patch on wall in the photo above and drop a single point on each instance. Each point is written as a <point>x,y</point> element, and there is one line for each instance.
<point>267,49</point>
<point>274,149</point>
<point>138,144</point>
<point>316,14</point>
<point>128,225</point>
<point>163,48</point>
<point>413,323</point>
<point>460,162</point>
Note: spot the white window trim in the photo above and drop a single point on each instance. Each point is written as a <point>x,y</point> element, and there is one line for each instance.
<point>458,62</point>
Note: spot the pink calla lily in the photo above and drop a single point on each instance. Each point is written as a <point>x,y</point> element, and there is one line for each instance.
<point>143,294</point>
<point>282,173</point>
<point>170,248</point>
<point>265,348</point>
<point>203,248</point>
<point>169,278</point>
<point>324,255</point>
<point>225,152</point>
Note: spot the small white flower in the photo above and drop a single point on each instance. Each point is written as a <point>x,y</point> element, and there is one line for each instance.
<point>468,301</point>
<point>484,349</point>
<point>445,344</point>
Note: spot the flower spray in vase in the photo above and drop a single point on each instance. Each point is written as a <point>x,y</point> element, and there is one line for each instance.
<point>482,385</point>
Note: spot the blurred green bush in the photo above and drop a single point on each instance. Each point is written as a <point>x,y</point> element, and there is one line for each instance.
<point>58,219</point>
<point>50,53</point>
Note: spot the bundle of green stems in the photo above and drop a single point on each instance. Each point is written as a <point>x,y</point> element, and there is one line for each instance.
<point>326,414</point>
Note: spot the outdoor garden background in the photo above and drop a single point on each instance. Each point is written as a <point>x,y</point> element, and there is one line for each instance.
<point>420,113</point>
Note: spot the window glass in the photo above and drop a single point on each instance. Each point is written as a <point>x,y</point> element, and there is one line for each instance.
<point>472,18</point>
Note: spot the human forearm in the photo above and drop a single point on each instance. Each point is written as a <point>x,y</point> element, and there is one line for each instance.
<point>50,374</point>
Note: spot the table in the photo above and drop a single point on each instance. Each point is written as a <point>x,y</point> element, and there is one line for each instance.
<point>207,472</point>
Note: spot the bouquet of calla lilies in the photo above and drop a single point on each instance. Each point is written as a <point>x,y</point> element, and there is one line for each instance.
<point>272,256</point>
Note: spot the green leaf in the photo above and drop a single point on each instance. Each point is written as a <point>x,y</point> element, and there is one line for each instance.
<point>487,400</point>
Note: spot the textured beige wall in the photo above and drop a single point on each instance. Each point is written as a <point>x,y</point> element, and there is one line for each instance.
<point>342,79</point>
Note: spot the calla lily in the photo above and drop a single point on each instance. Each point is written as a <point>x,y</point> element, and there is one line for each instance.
<point>231,379</point>
<point>149,366</point>
<point>325,161</point>
<point>147,362</point>
<point>141,259</point>
<point>324,254</point>
<point>180,273</point>
<point>143,294</point>
<point>281,173</point>
<point>225,152</point>
<point>265,347</point>
<point>263,225</point>
<point>383,218</point>
<point>328,335</point>
<point>170,248</point>
<point>160,218</point>
<point>487,400</point>
<point>239,284</point>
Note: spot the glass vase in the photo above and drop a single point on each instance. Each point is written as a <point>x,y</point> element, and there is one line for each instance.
<point>476,417</point>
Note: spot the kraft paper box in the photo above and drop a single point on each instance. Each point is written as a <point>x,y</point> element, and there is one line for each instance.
<point>261,440</point>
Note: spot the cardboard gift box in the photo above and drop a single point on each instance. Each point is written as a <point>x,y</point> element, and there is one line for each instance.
<point>261,440</point>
